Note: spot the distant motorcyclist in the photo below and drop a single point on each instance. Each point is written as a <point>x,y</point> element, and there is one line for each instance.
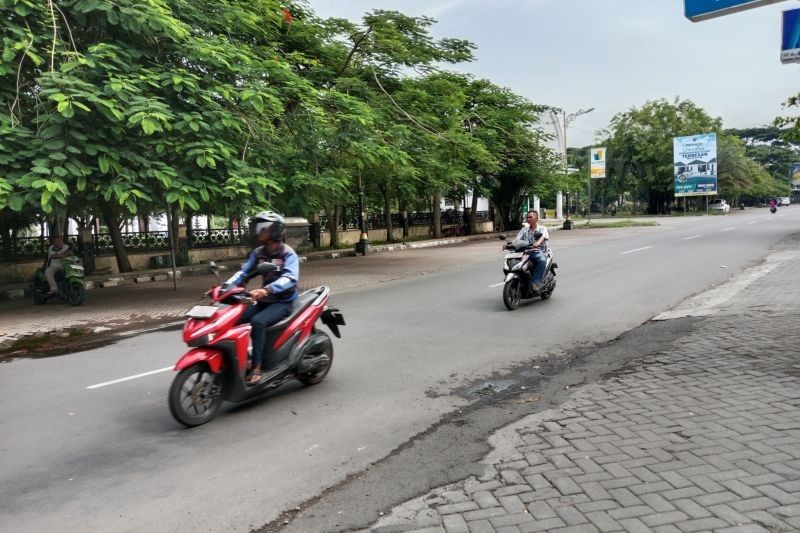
<point>278,289</point>
<point>773,205</point>
<point>539,237</point>
<point>56,253</point>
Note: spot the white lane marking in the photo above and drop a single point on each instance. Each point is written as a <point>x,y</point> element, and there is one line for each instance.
<point>753,222</point>
<point>497,284</point>
<point>120,380</point>
<point>728,229</point>
<point>692,237</point>
<point>636,250</point>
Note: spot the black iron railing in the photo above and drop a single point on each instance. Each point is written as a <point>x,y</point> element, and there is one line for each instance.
<point>157,241</point>
<point>378,220</point>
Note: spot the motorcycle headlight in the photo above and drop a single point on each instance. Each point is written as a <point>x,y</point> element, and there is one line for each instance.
<point>201,341</point>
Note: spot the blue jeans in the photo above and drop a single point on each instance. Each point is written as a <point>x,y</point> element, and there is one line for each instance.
<point>261,316</point>
<point>539,262</point>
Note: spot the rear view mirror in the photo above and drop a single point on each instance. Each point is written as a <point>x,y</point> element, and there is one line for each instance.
<point>266,268</point>
<point>214,269</point>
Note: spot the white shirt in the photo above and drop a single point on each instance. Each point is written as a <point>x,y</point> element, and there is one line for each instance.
<point>526,234</point>
<point>56,261</point>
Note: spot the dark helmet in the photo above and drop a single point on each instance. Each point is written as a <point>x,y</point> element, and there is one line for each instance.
<point>268,221</point>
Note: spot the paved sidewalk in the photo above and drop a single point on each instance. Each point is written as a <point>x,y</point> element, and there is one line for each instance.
<point>703,437</point>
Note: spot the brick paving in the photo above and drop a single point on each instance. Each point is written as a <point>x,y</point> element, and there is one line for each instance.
<point>703,437</point>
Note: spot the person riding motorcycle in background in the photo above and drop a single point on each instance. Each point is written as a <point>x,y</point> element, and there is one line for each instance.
<point>279,288</point>
<point>55,261</point>
<point>538,236</point>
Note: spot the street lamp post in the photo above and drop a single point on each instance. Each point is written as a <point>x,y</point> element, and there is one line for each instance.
<point>566,120</point>
<point>363,245</point>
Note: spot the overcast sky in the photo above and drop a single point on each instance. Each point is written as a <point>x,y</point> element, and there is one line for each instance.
<point>613,54</point>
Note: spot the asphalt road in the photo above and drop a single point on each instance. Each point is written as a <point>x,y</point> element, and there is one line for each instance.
<point>110,458</point>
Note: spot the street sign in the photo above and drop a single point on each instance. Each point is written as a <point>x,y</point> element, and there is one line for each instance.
<point>598,163</point>
<point>794,175</point>
<point>697,10</point>
<point>790,38</point>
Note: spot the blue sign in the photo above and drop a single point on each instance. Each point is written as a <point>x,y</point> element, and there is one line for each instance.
<point>790,41</point>
<point>697,10</point>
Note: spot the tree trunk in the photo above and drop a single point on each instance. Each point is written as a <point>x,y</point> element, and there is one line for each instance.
<point>437,215</point>
<point>6,237</point>
<point>473,217</point>
<point>333,224</point>
<point>123,263</point>
<point>387,213</point>
<point>174,224</point>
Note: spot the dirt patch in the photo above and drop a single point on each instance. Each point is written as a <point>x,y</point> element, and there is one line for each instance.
<point>78,339</point>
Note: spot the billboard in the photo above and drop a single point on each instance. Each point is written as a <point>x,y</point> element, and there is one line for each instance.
<point>790,37</point>
<point>695,163</point>
<point>794,175</point>
<point>598,163</point>
<point>697,10</point>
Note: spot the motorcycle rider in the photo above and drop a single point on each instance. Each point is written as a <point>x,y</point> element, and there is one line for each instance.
<point>279,289</point>
<point>537,255</point>
<point>773,204</point>
<point>56,253</point>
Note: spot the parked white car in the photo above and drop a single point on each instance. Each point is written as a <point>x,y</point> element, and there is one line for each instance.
<point>719,205</point>
<point>784,201</point>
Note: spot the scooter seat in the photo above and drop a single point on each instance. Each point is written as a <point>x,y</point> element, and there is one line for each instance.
<point>302,301</point>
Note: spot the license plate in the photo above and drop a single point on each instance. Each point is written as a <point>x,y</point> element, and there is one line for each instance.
<point>202,311</point>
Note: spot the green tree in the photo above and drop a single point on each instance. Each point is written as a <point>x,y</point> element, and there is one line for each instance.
<point>640,145</point>
<point>131,103</point>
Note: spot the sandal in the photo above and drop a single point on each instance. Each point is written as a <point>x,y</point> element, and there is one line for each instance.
<point>254,378</point>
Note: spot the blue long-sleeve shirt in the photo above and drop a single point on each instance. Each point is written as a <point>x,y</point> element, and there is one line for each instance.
<point>282,283</point>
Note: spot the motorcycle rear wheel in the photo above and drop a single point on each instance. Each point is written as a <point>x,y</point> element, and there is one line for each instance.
<point>195,395</point>
<point>76,292</point>
<point>39,298</point>
<point>321,362</point>
<point>512,293</point>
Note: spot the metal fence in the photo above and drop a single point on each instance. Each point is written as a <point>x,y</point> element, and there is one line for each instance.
<point>378,220</point>
<point>157,241</point>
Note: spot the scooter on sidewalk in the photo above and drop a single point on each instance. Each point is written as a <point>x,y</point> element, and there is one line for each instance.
<point>518,268</point>
<point>70,284</point>
<point>215,367</point>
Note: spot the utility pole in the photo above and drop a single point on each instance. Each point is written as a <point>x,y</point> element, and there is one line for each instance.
<point>565,120</point>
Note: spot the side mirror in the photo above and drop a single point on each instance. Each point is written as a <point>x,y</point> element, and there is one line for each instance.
<point>266,268</point>
<point>214,269</point>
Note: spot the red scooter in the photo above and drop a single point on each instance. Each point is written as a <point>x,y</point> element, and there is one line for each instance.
<point>215,368</point>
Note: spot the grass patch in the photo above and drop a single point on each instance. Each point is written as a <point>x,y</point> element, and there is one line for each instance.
<point>617,224</point>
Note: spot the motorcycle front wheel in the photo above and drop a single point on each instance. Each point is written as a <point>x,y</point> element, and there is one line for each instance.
<point>76,292</point>
<point>195,395</point>
<point>512,293</point>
